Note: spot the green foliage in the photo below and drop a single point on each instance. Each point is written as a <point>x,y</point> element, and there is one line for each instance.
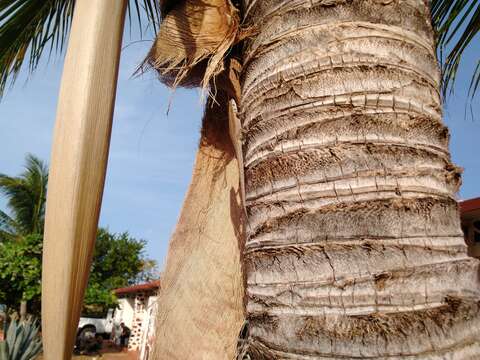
<point>26,196</point>
<point>29,27</point>
<point>20,234</point>
<point>20,271</point>
<point>118,261</point>
<point>22,341</point>
<point>98,300</point>
<point>457,23</point>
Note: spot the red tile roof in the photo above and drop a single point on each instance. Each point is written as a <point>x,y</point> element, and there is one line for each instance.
<point>153,285</point>
<point>469,205</point>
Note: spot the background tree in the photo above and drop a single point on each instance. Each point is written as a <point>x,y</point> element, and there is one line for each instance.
<point>26,195</point>
<point>20,272</point>
<point>119,259</point>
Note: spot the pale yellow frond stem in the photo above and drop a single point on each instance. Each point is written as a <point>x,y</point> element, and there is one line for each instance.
<point>78,165</point>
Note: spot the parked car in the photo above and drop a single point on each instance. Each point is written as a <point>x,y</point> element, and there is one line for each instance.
<point>89,327</point>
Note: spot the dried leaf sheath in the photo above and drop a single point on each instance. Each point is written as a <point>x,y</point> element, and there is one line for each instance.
<point>193,41</point>
<point>78,165</point>
<point>201,302</point>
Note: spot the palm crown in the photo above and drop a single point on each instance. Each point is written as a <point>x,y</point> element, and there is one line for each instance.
<point>31,26</point>
<point>26,195</point>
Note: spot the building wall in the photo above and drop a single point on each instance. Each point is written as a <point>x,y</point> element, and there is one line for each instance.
<point>140,315</point>
<point>148,329</point>
<point>125,311</point>
<point>470,216</point>
<point>471,229</point>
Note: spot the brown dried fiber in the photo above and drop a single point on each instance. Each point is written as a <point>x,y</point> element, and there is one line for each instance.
<point>194,38</point>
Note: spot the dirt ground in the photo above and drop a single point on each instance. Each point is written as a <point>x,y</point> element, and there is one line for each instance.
<point>117,356</point>
<point>108,352</point>
<point>107,356</point>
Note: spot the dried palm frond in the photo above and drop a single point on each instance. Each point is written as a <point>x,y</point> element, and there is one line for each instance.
<point>194,39</point>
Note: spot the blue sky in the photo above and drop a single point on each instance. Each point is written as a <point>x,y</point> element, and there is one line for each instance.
<point>152,153</point>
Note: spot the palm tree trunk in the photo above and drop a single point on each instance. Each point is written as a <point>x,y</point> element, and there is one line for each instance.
<point>200,305</point>
<point>23,310</point>
<point>354,247</point>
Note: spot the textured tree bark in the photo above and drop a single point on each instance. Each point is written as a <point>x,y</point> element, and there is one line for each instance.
<point>201,299</point>
<point>354,247</point>
<point>23,310</point>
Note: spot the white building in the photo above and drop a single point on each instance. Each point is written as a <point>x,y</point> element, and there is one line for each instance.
<point>137,309</point>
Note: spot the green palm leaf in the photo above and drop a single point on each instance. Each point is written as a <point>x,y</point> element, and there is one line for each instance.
<point>26,197</point>
<point>29,27</point>
<point>457,23</point>
<point>8,227</point>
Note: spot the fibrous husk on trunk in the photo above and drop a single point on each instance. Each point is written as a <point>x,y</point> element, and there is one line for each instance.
<point>194,38</point>
<point>200,306</point>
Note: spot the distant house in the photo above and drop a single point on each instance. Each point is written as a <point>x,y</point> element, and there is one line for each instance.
<point>137,309</point>
<point>470,216</point>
